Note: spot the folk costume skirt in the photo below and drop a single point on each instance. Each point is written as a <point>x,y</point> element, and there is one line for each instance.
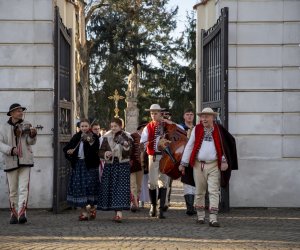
<point>84,185</point>
<point>115,187</point>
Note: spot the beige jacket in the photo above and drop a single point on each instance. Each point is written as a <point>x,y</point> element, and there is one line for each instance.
<point>107,143</point>
<point>8,142</point>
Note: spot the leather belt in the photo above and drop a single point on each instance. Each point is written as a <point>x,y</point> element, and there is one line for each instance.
<point>155,154</point>
<point>202,163</point>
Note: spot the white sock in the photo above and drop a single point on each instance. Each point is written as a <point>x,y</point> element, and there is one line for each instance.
<point>200,214</point>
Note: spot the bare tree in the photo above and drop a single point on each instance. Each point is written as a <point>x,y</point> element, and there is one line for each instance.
<point>84,11</point>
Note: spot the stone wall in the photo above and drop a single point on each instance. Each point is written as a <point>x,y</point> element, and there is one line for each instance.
<point>264,101</point>
<point>27,77</point>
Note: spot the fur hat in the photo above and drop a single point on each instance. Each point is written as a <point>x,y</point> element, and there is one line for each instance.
<point>14,107</point>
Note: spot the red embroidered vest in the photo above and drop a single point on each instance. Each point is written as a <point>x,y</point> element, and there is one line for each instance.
<point>199,134</point>
<point>151,134</point>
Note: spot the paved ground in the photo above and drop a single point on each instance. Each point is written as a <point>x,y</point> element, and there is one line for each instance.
<point>241,229</point>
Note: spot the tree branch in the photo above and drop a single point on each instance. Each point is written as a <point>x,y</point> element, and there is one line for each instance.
<point>93,8</point>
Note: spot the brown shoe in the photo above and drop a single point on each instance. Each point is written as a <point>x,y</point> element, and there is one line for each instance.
<point>200,221</point>
<point>214,224</point>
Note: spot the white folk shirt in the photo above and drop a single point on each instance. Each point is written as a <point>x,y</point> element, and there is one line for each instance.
<point>207,152</point>
<point>144,139</point>
<point>80,151</point>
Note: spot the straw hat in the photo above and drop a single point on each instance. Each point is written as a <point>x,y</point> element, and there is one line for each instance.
<point>154,107</point>
<point>208,111</point>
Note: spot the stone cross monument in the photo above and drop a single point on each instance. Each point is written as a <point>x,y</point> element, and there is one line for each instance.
<point>132,112</point>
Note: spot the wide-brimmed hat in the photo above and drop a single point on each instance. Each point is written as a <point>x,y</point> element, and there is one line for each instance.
<point>154,107</point>
<point>208,111</point>
<point>14,107</point>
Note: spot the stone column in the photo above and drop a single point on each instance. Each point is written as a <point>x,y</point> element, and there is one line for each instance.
<point>131,114</point>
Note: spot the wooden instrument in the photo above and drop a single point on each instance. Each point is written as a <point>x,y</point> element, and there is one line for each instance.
<point>173,151</point>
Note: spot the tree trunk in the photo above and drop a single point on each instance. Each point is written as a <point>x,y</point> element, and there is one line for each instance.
<point>83,48</point>
<point>82,64</point>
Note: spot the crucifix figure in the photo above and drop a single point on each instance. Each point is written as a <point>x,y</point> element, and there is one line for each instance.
<point>116,97</point>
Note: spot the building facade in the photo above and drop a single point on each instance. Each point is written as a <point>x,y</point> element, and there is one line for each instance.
<point>263,97</point>
<point>28,74</point>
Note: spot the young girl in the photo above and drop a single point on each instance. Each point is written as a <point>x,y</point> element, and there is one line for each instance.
<point>83,189</point>
<point>115,149</point>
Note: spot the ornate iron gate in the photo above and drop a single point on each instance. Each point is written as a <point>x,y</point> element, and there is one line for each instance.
<point>214,77</point>
<point>62,111</point>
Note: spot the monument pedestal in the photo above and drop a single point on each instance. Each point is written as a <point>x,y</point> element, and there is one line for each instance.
<point>131,115</point>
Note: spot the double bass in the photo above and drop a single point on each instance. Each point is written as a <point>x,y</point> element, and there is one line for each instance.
<point>172,150</point>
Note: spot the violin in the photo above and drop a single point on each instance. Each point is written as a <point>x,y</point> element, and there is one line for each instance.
<point>87,136</point>
<point>22,128</point>
<point>121,137</point>
<point>172,151</point>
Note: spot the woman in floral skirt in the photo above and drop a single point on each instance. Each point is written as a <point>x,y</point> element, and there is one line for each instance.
<point>115,150</point>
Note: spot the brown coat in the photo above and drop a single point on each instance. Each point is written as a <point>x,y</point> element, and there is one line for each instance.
<point>135,158</point>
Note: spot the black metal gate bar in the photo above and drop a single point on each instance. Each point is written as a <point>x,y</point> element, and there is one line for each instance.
<point>214,78</point>
<point>62,111</point>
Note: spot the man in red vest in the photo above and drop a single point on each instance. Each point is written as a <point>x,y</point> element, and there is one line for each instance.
<point>150,137</point>
<point>211,151</point>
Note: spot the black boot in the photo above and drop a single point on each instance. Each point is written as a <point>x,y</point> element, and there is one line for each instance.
<point>192,202</point>
<point>162,201</point>
<point>152,194</point>
<point>13,219</point>
<point>189,200</point>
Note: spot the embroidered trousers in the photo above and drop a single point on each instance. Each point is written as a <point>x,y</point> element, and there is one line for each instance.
<point>207,177</point>
<point>18,184</point>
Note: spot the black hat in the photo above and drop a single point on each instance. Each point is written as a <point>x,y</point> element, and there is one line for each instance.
<point>14,107</point>
<point>141,125</point>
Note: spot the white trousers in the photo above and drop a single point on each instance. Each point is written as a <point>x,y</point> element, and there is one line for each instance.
<point>188,189</point>
<point>136,179</point>
<point>156,178</point>
<point>207,177</point>
<point>145,191</point>
<point>18,185</point>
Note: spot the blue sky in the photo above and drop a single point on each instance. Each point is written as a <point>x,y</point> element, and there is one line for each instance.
<point>184,6</point>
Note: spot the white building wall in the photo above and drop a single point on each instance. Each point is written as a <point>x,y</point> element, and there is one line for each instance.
<point>264,101</point>
<point>27,77</point>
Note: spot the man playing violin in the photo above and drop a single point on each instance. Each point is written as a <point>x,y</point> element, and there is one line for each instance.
<point>150,137</point>
<point>16,138</point>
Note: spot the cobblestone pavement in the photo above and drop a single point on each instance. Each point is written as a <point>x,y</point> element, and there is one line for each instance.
<point>240,229</point>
